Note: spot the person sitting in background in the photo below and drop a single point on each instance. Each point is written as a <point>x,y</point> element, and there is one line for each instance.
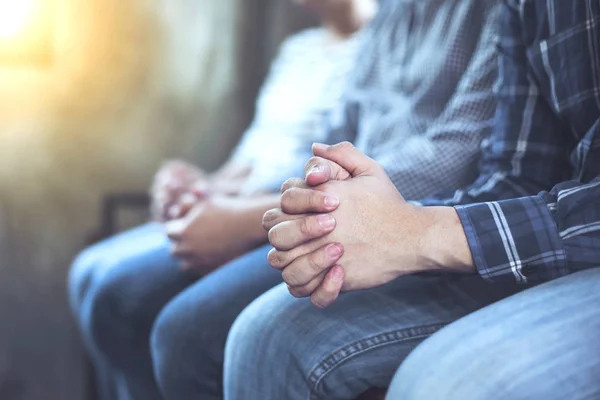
<point>420,102</point>
<point>509,307</point>
<point>134,274</point>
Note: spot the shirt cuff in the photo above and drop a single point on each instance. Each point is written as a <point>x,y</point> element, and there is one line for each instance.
<point>514,240</point>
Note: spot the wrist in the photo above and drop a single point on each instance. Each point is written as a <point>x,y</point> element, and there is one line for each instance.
<point>443,245</point>
<point>251,214</point>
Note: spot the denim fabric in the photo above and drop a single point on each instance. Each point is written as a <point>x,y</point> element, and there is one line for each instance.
<point>116,290</point>
<point>542,343</point>
<point>284,348</point>
<point>188,340</point>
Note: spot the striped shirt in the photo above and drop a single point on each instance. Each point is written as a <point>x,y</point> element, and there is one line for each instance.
<point>546,139</point>
<point>420,98</point>
<point>306,80</point>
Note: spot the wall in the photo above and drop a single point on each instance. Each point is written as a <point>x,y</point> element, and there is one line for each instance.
<point>131,83</point>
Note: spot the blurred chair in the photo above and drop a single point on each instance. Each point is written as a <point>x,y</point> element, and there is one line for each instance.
<point>112,204</point>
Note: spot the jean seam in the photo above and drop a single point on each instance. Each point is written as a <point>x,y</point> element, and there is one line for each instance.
<point>360,346</point>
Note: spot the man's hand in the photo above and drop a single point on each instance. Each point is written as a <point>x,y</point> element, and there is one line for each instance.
<point>378,236</point>
<point>210,234</point>
<point>177,186</point>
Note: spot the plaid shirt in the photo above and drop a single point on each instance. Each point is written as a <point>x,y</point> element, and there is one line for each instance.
<point>546,137</point>
<point>419,100</point>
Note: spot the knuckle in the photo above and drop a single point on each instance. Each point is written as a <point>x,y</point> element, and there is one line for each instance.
<point>306,228</point>
<point>314,262</point>
<point>343,146</point>
<point>268,219</point>
<point>297,183</point>
<point>276,259</point>
<point>287,198</point>
<point>316,200</point>
<point>290,277</point>
<point>311,161</point>
<point>287,185</point>
<point>297,292</point>
<point>273,236</point>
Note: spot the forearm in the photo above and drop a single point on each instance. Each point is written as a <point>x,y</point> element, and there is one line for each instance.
<point>229,179</point>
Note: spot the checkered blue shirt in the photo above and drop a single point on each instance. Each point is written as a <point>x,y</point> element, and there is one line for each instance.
<point>546,139</point>
<point>419,99</point>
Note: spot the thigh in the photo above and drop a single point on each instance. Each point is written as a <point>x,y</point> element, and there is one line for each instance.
<point>188,339</point>
<point>539,344</point>
<point>95,261</point>
<point>210,305</point>
<point>357,343</point>
<point>134,279</point>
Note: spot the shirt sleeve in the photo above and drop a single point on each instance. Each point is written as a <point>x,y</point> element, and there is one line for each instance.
<point>331,120</point>
<point>451,144</point>
<point>245,151</point>
<point>339,125</point>
<point>514,234</point>
<point>538,238</point>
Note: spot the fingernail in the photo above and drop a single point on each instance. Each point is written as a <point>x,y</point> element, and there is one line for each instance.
<point>337,274</point>
<point>315,169</point>
<point>320,146</point>
<point>269,254</point>
<point>326,221</point>
<point>332,201</point>
<point>269,216</point>
<point>333,251</point>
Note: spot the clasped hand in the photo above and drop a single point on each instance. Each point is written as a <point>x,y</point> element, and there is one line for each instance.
<point>343,227</point>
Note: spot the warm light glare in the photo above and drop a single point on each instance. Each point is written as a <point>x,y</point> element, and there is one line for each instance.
<point>14,14</point>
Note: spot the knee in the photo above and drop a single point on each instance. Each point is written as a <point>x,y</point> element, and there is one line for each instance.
<point>187,342</point>
<point>169,342</point>
<point>506,350</point>
<point>80,277</point>
<point>268,339</point>
<point>108,315</point>
<point>261,332</point>
<point>430,371</point>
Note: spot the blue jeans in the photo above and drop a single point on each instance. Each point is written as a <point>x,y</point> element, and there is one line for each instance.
<point>283,348</point>
<point>129,289</point>
<point>543,343</point>
<point>116,289</point>
<point>188,340</point>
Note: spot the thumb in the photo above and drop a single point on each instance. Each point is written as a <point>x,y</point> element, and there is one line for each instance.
<point>174,229</point>
<point>319,170</point>
<point>348,157</point>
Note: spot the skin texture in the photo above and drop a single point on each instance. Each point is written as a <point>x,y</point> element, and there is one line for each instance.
<point>218,230</point>
<point>346,227</point>
<point>173,180</point>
